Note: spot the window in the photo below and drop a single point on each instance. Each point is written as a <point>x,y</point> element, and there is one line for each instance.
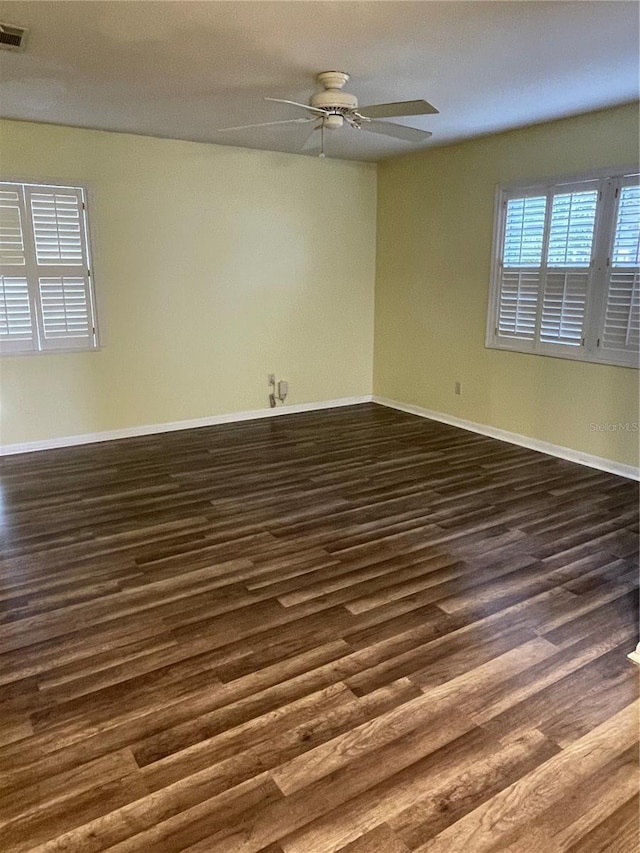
<point>566,271</point>
<point>46,293</point>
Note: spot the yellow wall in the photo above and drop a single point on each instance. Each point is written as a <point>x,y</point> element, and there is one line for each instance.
<point>435,222</point>
<point>215,267</point>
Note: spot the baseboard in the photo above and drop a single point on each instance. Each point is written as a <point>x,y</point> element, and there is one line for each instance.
<point>213,420</point>
<point>609,465</point>
<point>634,656</point>
<point>567,453</point>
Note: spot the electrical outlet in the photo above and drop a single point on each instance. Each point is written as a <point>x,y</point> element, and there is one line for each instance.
<point>457,388</point>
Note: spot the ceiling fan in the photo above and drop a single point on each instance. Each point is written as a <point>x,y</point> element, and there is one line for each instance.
<point>332,109</point>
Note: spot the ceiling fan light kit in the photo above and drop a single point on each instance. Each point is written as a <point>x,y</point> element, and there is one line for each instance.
<point>332,108</point>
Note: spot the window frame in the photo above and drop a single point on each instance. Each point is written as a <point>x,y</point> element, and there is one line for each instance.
<point>599,271</point>
<point>96,341</point>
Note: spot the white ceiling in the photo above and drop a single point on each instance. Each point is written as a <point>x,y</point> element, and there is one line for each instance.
<point>183,69</point>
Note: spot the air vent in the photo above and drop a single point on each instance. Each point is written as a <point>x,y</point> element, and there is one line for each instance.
<point>12,38</point>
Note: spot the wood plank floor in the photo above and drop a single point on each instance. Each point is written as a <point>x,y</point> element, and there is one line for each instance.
<point>352,630</point>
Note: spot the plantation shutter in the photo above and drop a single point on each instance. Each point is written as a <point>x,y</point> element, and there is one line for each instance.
<point>568,267</point>
<point>565,277</point>
<point>11,236</point>
<point>563,308</point>
<point>46,297</point>
<point>64,296</point>
<point>17,332</point>
<point>621,326</point>
<point>546,266</point>
<point>519,286</point>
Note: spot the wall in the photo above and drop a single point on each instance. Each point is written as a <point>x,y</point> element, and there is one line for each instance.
<point>435,223</point>
<point>215,266</point>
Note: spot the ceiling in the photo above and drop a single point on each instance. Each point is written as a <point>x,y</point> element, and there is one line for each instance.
<point>184,69</point>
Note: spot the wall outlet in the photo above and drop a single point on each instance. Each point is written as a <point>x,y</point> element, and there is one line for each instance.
<point>457,388</point>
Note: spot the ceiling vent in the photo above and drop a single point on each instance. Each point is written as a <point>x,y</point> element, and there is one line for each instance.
<point>12,38</point>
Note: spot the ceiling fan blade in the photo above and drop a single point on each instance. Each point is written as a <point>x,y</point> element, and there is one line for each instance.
<point>399,108</point>
<point>398,131</point>
<point>315,110</point>
<point>312,141</point>
<point>267,124</point>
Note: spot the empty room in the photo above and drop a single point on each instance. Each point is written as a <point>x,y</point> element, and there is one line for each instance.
<point>319,421</point>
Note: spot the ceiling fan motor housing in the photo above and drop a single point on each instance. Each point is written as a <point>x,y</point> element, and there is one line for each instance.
<point>336,102</point>
<point>334,99</point>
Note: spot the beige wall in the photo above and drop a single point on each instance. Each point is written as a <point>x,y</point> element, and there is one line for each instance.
<point>435,222</point>
<point>215,266</point>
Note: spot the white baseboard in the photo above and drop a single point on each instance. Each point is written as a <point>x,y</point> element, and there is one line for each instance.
<point>634,656</point>
<point>609,465</point>
<point>568,453</point>
<point>131,432</point>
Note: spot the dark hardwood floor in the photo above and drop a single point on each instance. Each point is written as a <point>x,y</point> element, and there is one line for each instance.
<point>352,630</point>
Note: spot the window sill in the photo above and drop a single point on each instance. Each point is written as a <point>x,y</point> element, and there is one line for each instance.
<point>587,358</point>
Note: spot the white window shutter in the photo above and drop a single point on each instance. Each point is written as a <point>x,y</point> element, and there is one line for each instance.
<point>519,277</point>
<point>621,326</point>
<point>46,294</point>
<point>518,303</point>
<point>573,217</point>
<point>16,323</point>
<point>17,327</point>
<point>622,312</point>
<point>626,238</point>
<point>64,303</point>
<point>56,215</point>
<point>565,275</point>
<point>568,261</point>
<point>564,305</point>
<point>65,307</point>
<point>524,231</point>
<point>11,232</point>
